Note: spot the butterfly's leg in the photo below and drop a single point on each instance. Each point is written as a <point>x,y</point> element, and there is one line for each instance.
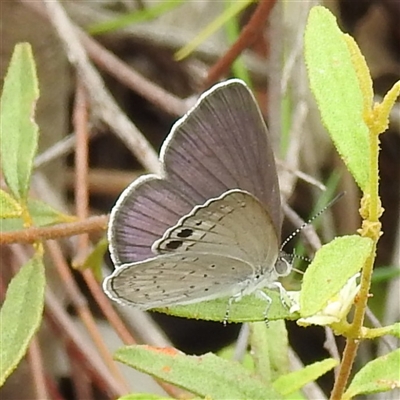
<point>285,299</point>
<point>233,298</point>
<point>262,295</point>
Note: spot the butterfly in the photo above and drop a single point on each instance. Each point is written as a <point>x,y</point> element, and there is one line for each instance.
<point>209,226</point>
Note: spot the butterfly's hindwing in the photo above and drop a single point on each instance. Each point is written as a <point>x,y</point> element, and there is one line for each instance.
<point>234,225</point>
<point>177,279</point>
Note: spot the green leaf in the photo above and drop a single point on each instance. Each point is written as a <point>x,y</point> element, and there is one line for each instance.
<point>294,381</point>
<point>269,349</point>
<point>95,259</point>
<point>42,215</point>
<point>207,375</point>
<point>336,87</point>
<point>135,17</point>
<point>372,333</point>
<point>19,132</point>
<point>21,315</point>
<point>334,264</point>
<point>143,396</point>
<point>9,208</point>
<point>248,309</point>
<point>379,375</point>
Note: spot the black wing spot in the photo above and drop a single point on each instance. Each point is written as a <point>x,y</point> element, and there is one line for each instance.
<point>185,233</point>
<point>205,275</point>
<point>206,289</point>
<point>212,266</point>
<point>192,287</point>
<point>198,223</point>
<point>173,244</point>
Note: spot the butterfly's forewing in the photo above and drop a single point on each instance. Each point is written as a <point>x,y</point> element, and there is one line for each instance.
<point>220,144</point>
<point>223,144</point>
<point>234,224</point>
<point>176,278</point>
<point>145,210</point>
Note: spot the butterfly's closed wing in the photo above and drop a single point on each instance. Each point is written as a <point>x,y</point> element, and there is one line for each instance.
<point>176,279</point>
<point>234,224</point>
<point>221,144</point>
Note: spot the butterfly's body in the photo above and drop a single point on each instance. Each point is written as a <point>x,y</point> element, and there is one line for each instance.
<point>210,226</point>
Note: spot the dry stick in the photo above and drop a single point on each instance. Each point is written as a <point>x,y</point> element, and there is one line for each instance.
<point>102,102</point>
<point>246,38</point>
<point>82,202</point>
<point>83,310</point>
<point>94,366</point>
<point>83,388</point>
<point>31,235</point>
<point>125,74</point>
<point>37,370</point>
<point>80,122</point>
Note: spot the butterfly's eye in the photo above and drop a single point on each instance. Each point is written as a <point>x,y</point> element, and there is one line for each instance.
<point>283,266</point>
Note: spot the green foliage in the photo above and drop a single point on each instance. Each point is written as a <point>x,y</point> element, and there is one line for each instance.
<point>19,132</point>
<point>207,375</point>
<point>334,264</point>
<point>248,309</point>
<point>335,85</point>
<point>287,384</point>
<point>378,375</point>
<point>146,14</point>
<point>21,314</point>
<point>22,310</point>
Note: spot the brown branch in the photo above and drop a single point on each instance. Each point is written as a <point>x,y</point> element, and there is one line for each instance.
<point>31,235</point>
<point>246,38</point>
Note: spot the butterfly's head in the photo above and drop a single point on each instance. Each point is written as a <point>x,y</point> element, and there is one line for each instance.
<point>283,265</point>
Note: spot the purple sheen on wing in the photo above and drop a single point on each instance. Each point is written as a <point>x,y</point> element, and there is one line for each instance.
<point>143,213</point>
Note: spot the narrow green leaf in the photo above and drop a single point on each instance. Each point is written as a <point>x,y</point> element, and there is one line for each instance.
<point>20,315</point>
<point>334,264</point>
<point>379,375</point>
<point>9,208</point>
<point>18,130</point>
<point>269,349</point>
<point>372,333</point>
<point>207,375</point>
<point>336,87</point>
<point>95,259</point>
<point>229,12</point>
<point>248,309</point>
<point>287,384</point>
<point>137,16</point>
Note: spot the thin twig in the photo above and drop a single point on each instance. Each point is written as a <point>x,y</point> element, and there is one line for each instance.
<point>249,33</point>
<point>83,310</point>
<point>31,235</point>
<point>89,358</point>
<point>125,74</point>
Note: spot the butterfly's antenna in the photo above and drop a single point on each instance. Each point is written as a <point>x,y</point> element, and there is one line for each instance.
<point>300,228</point>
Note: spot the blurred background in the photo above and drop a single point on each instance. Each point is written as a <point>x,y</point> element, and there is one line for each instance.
<point>148,38</point>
